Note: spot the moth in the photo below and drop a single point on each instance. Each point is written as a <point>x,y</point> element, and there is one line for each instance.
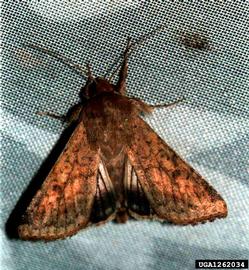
<point>115,166</point>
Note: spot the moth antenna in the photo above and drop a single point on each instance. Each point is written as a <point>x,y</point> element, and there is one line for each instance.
<point>89,72</point>
<point>126,53</point>
<point>121,84</point>
<point>139,42</point>
<point>77,67</point>
<point>124,62</point>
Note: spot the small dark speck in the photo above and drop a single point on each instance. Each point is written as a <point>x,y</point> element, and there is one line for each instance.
<point>195,41</point>
<point>163,155</point>
<point>56,188</point>
<point>174,159</point>
<point>176,173</point>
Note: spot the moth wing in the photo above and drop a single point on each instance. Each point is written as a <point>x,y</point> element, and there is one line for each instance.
<point>104,206</point>
<point>64,203</point>
<point>174,190</point>
<point>136,200</point>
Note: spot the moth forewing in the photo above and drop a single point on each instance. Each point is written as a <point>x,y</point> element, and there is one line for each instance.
<point>63,204</point>
<point>176,192</point>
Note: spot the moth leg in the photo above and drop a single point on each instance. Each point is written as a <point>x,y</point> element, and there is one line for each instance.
<point>121,85</point>
<point>71,116</point>
<point>167,105</point>
<point>52,115</point>
<point>79,68</point>
<point>73,113</point>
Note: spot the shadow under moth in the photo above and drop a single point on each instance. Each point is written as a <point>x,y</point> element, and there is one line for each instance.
<point>115,166</point>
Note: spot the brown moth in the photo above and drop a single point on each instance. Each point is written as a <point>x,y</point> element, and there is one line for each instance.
<point>114,167</point>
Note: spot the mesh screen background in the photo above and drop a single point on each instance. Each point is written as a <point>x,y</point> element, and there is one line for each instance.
<point>210,130</point>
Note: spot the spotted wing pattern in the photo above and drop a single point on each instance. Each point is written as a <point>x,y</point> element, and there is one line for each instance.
<point>175,191</point>
<point>64,202</point>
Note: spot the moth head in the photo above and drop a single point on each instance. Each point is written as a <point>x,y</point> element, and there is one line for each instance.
<point>94,87</point>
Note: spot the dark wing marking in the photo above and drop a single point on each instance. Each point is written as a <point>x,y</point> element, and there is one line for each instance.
<point>104,207</point>
<point>136,200</point>
<point>63,204</point>
<point>175,191</point>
